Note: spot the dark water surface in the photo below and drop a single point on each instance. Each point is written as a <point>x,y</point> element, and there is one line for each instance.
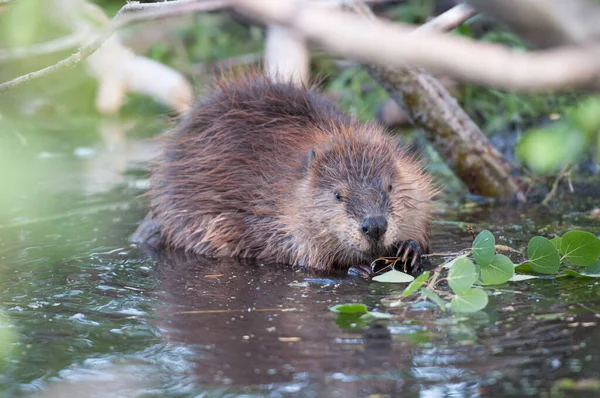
<point>85,314</point>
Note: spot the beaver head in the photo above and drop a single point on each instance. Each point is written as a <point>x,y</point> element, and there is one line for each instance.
<point>361,197</point>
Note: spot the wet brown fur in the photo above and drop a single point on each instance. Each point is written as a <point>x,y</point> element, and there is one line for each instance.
<point>236,179</point>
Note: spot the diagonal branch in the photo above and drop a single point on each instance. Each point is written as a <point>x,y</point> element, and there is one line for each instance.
<point>391,44</point>
<point>130,13</point>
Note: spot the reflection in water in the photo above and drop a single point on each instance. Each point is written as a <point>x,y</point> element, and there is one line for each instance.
<point>269,327</point>
<point>105,168</point>
<point>255,324</point>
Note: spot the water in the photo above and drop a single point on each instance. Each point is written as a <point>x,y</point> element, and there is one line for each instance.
<point>86,314</point>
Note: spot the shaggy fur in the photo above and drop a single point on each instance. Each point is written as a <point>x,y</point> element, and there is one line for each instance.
<point>274,172</point>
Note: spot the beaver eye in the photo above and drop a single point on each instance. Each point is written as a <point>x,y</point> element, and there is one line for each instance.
<point>389,188</point>
<point>337,196</point>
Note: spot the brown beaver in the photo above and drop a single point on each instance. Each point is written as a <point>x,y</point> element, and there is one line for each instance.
<point>274,172</point>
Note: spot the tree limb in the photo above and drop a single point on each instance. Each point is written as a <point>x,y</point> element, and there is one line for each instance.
<point>392,44</point>
<point>453,134</point>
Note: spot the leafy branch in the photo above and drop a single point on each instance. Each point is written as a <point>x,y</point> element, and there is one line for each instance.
<point>470,270</point>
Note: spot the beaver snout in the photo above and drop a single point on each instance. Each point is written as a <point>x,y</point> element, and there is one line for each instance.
<point>374,227</point>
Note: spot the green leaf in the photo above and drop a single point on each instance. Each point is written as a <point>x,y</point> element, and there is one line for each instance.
<point>580,248</point>
<point>351,321</point>
<point>557,242</point>
<point>522,277</point>
<point>543,256</point>
<point>524,268</point>
<point>484,248</point>
<point>591,271</point>
<point>449,264</point>
<point>499,271</point>
<point>593,268</point>
<point>393,276</point>
<point>434,297</point>
<point>416,284</point>
<point>587,114</point>
<point>472,300</point>
<point>462,275</point>
<point>570,272</point>
<point>349,309</point>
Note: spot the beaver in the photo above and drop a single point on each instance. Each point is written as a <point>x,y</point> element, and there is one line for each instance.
<point>267,170</point>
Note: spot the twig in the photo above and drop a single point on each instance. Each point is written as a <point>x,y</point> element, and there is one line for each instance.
<point>130,13</point>
<point>564,172</point>
<point>447,254</point>
<point>503,248</point>
<point>392,44</point>
<point>448,20</point>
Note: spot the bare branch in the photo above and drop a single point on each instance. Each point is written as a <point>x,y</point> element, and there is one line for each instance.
<point>391,44</point>
<point>546,23</point>
<point>124,17</point>
<point>460,142</point>
<point>449,20</point>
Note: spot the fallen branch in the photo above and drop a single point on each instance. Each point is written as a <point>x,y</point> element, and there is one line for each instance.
<point>393,45</point>
<point>453,134</point>
<point>130,13</point>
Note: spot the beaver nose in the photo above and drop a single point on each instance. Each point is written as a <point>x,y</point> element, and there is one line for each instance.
<point>374,227</point>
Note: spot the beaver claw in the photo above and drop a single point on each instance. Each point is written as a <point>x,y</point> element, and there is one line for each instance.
<point>412,249</point>
<point>408,250</point>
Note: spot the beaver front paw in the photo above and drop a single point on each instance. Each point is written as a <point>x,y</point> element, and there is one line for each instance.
<point>410,250</point>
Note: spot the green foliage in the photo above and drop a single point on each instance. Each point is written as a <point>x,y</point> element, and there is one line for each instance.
<point>350,85</point>
<point>580,248</point>
<point>543,256</point>
<point>23,23</point>
<point>471,300</point>
<point>557,243</point>
<point>462,276</point>
<point>355,316</point>
<point>495,269</point>
<point>349,309</point>
<point>416,284</point>
<point>431,295</point>
<point>490,268</point>
<point>394,276</point>
<point>498,271</point>
<point>495,110</point>
<point>548,148</point>
<point>593,269</point>
<point>484,248</point>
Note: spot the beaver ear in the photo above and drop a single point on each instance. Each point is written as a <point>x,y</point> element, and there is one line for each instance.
<point>308,160</point>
